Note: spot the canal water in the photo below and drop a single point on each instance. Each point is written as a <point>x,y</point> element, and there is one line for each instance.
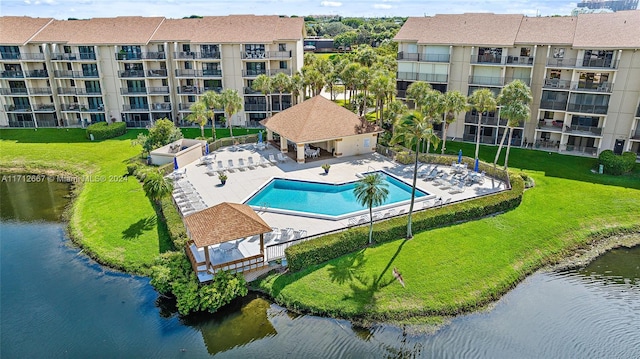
<point>57,303</point>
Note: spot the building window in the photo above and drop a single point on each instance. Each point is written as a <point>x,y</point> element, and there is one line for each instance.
<point>283,64</point>
<point>186,48</point>
<point>282,47</point>
<point>160,47</point>
<point>67,49</point>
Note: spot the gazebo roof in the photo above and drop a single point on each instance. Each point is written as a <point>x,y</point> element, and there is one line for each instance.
<point>224,222</point>
<point>318,119</point>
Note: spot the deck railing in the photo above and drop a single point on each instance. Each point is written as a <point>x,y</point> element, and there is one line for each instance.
<point>276,250</point>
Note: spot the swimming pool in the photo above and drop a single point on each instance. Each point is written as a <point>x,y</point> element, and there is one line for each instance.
<point>317,198</point>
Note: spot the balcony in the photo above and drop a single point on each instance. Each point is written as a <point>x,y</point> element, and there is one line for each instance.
<point>260,107</point>
<point>21,91</point>
<point>487,120</point>
<point>587,130</point>
<point>49,107</point>
<point>401,93</point>
<point>13,74</point>
<point>187,55</point>
<point>599,63</point>
<point>141,107</point>
<point>198,73</point>
<point>254,55</point>
<point>131,73</point>
<point>29,56</point>
<point>189,90</point>
<point>37,73</point>
<point>527,81</point>
<point>414,56</point>
<point>583,149</point>
<point>279,55</point>
<point>274,72</point>
<point>163,107</point>
<point>75,74</point>
<point>216,89</point>
<point>40,91</point>
<point>553,105</point>
<point>158,90</point>
<point>56,56</point>
<point>416,76</point>
<point>17,108</point>
<point>520,60</point>
<point>73,107</point>
<point>88,91</point>
<point>486,81</point>
<point>133,91</point>
<point>251,91</point>
<point>185,106</point>
<point>66,90</point>
<point>487,59</point>
<point>557,84</point>
<point>592,86</point>
<point>157,73</point>
<point>253,72</point>
<point>597,109</point>
<point>153,55</point>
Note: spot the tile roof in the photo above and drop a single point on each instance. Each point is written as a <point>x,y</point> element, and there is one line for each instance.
<point>317,119</point>
<point>231,29</point>
<point>122,30</point>
<point>618,30</point>
<point>547,30</point>
<point>17,30</point>
<point>224,222</point>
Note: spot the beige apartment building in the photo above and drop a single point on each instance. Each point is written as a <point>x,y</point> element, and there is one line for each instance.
<point>584,73</point>
<point>138,69</point>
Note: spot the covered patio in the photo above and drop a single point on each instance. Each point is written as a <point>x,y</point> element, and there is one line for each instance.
<point>216,239</point>
<point>318,128</point>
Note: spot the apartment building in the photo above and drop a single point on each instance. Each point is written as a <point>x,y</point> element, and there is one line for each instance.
<point>138,69</point>
<point>584,73</point>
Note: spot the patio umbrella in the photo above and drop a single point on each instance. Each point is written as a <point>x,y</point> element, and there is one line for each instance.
<point>475,168</point>
<point>206,148</point>
<point>259,136</point>
<point>460,156</point>
<point>175,163</point>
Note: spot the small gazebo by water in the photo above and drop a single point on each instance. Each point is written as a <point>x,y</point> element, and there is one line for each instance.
<point>213,239</point>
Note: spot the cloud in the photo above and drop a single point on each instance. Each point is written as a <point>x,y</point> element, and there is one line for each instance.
<point>330,3</point>
<point>382,6</point>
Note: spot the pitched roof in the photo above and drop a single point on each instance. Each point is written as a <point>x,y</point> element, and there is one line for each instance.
<point>547,30</point>
<point>231,29</point>
<point>317,119</point>
<point>17,30</point>
<point>121,30</point>
<point>618,30</point>
<point>224,222</point>
<point>462,29</point>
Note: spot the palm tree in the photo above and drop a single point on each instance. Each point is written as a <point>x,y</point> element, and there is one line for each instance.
<point>514,100</point>
<point>417,91</point>
<point>412,129</point>
<point>232,103</point>
<point>432,109</point>
<point>211,100</point>
<point>280,83</point>
<point>200,114</point>
<point>296,87</point>
<point>263,84</point>
<point>394,110</point>
<point>348,77</point>
<point>156,186</point>
<point>482,100</point>
<point>371,191</point>
<point>454,103</point>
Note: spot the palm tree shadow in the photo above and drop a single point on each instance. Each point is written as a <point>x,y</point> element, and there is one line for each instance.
<point>344,269</point>
<point>137,229</point>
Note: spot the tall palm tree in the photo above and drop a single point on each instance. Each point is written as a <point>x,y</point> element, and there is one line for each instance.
<point>348,77</point>
<point>211,100</point>
<point>232,103</point>
<point>263,84</point>
<point>417,91</point>
<point>482,100</point>
<point>454,103</point>
<point>200,114</point>
<point>394,110</point>
<point>432,110</point>
<point>157,186</point>
<point>412,130</point>
<point>371,191</point>
<point>296,87</point>
<point>280,82</point>
<point>514,100</point>
<point>363,80</point>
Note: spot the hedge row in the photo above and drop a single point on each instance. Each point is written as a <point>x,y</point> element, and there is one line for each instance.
<point>322,249</point>
<point>175,226</point>
<point>616,165</point>
<point>104,130</point>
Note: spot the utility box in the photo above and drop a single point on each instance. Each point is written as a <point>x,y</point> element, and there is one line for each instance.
<point>601,169</point>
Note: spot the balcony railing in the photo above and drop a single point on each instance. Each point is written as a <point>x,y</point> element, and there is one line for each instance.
<point>279,54</point>
<point>17,108</point>
<point>486,119</point>
<point>511,79</point>
<point>57,56</point>
<point>140,55</point>
<point>196,55</point>
<point>592,86</point>
<point>22,56</point>
<point>561,62</point>
<point>583,62</point>
<point>416,76</point>
<point>274,72</point>
<point>487,59</point>
<point>40,91</point>
<point>520,60</point>
<point>157,73</point>
<point>133,90</point>
<point>75,74</point>
<point>255,107</point>
<point>585,129</point>
<point>13,91</point>
<point>584,149</point>
<point>553,105</point>
<point>154,55</point>
<point>49,107</point>
<point>136,107</point>
<point>217,89</point>
<point>198,73</point>
<point>557,84</point>
<point>131,73</point>
<point>161,106</point>
<point>414,56</point>
<point>70,107</point>
<point>254,55</point>
<point>251,91</point>
<point>37,73</point>
<point>13,74</point>
<point>486,80</point>
<point>253,72</point>
<point>88,91</point>
<point>158,90</point>
<point>189,90</point>
<point>599,109</point>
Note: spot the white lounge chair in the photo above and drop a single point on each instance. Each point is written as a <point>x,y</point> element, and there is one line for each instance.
<point>241,164</point>
<point>264,162</point>
<point>250,163</point>
<point>458,189</point>
<point>230,165</point>
<point>281,157</point>
<point>272,159</point>
<point>286,233</point>
<point>220,166</point>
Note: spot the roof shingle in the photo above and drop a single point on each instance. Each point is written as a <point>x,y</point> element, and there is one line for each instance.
<point>547,30</point>
<point>17,30</point>
<point>618,30</point>
<point>122,30</point>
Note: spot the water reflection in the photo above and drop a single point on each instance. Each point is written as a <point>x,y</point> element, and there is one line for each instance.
<point>37,200</point>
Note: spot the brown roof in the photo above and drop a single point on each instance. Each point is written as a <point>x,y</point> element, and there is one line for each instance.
<point>464,29</point>
<point>618,30</point>
<point>231,29</point>
<point>224,222</point>
<point>122,30</point>
<point>547,30</point>
<point>17,30</point>
<point>317,119</point>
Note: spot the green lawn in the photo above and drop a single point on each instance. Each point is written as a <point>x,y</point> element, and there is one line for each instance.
<point>456,268</point>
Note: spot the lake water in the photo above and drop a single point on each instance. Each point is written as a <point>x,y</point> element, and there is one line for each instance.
<point>55,303</point>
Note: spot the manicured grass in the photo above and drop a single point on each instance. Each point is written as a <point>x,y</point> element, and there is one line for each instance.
<point>453,269</point>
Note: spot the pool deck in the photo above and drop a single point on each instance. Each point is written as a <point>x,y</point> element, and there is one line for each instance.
<point>241,184</point>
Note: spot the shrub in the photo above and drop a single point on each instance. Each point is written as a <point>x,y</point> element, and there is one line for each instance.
<point>616,165</point>
<point>104,130</point>
<point>175,226</point>
<point>132,168</point>
<point>322,249</point>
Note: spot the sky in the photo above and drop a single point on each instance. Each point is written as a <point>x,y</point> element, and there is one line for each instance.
<point>82,9</point>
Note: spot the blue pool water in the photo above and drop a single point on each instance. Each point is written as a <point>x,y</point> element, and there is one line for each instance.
<point>323,198</point>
